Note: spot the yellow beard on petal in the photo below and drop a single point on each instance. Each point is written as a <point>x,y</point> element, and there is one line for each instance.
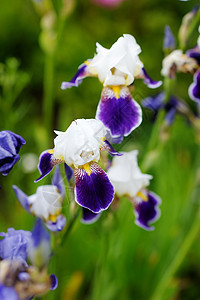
<point>116,89</point>
<point>143,196</point>
<point>87,168</point>
<point>51,151</point>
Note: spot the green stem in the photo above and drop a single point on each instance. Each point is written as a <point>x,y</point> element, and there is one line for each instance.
<point>70,226</point>
<point>194,24</point>
<point>155,145</point>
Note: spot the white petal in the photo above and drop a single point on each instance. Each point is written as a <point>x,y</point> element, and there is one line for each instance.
<point>126,176</point>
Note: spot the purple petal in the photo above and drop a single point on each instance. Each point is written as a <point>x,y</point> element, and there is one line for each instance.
<point>8,293</point>
<point>7,163</point>
<point>18,141</point>
<point>77,79</point>
<point>154,103</point>
<point>194,88</point>
<point>39,233</point>
<point>93,191</point>
<point>170,115</point>
<point>57,180</point>
<point>14,244</point>
<point>22,198</point>
<point>88,217</point>
<point>150,82</point>
<point>107,146</point>
<point>169,42</point>
<point>54,282</point>
<point>147,212</point>
<point>194,53</point>
<point>23,276</point>
<point>68,172</point>
<point>46,163</point>
<point>58,225</point>
<point>10,144</point>
<point>121,115</point>
<point>40,249</point>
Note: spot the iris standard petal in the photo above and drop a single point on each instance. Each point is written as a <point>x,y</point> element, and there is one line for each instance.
<point>77,79</point>
<point>58,225</point>
<point>150,82</point>
<point>147,211</point>
<point>194,88</point>
<point>93,189</point>
<point>118,111</point>
<point>22,198</point>
<point>88,217</point>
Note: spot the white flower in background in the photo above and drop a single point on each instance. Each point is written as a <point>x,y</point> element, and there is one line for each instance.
<point>126,176</point>
<point>128,180</point>
<point>46,203</point>
<point>176,61</point>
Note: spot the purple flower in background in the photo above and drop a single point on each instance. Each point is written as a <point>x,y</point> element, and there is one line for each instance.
<point>10,144</point>
<point>8,293</point>
<point>47,202</point>
<point>14,244</point>
<point>116,68</point>
<point>108,3</point>
<point>39,249</point>
<point>79,147</point>
<point>194,88</point>
<point>169,42</point>
<point>171,107</point>
<point>128,180</point>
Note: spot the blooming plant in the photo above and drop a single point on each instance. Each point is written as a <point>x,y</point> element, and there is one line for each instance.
<point>83,174</point>
<point>116,68</point>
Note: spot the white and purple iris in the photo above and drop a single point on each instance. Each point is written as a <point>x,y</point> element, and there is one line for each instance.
<point>188,62</point>
<point>46,203</point>
<point>116,69</point>
<point>80,147</point>
<point>10,144</point>
<point>128,180</point>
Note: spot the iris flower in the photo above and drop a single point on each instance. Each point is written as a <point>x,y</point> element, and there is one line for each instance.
<point>46,203</point>
<point>18,279</point>
<point>171,107</point>
<point>80,147</point>
<point>128,180</point>
<point>10,144</point>
<point>116,68</point>
<point>14,244</point>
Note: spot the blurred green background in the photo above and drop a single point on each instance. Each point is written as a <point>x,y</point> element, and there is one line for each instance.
<point>113,258</point>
